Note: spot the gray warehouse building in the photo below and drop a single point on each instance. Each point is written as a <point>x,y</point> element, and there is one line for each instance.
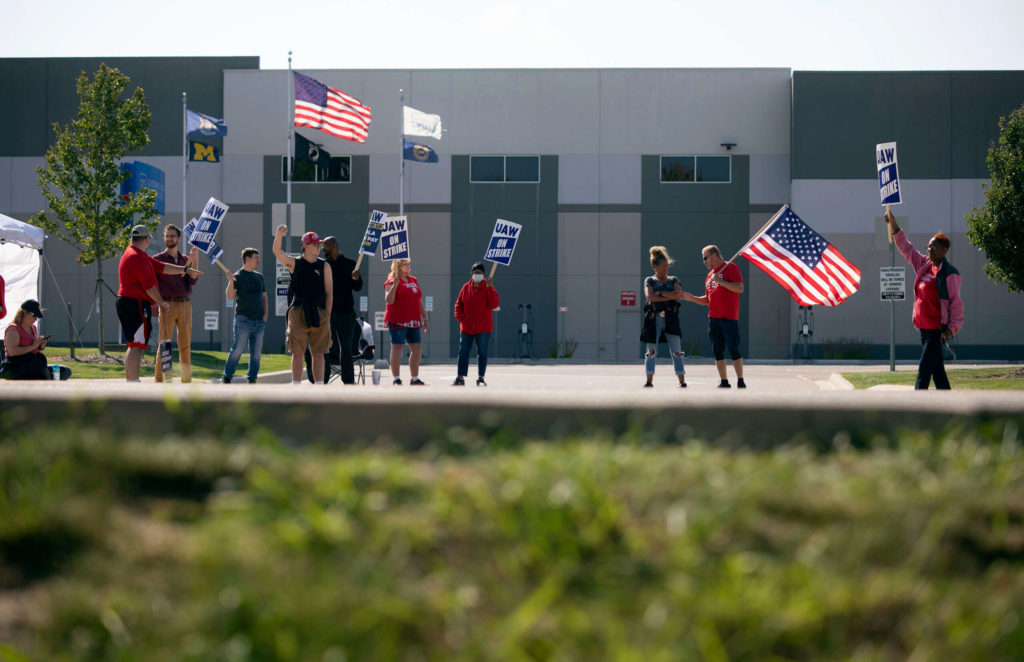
<point>596,164</point>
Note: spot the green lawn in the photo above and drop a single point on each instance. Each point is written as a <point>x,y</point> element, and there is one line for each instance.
<point>973,379</point>
<point>231,546</point>
<point>206,365</point>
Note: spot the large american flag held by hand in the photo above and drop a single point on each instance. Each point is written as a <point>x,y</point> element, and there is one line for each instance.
<point>332,111</point>
<point>802,261</point>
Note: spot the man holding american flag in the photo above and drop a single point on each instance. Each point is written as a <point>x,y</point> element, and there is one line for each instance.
<point>722,288</point>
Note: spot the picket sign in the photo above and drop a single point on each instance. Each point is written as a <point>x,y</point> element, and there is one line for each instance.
<point>888,178</point>
<point>502,244</point>
<point>372,236</point>
<point>394,239</point>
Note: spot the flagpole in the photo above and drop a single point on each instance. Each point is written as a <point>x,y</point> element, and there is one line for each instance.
<point>401,154</point>
<point>288,153</point>
<point>758,233</point>
<point>184,161</point>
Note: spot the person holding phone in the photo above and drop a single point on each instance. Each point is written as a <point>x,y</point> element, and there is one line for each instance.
<point>25,359</point>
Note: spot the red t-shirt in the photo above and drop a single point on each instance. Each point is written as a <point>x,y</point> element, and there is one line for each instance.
<point>927,308</point>
<point>3,306</point>
<point>136,273</point>
<point>405,311</point>
<point>723,303</point>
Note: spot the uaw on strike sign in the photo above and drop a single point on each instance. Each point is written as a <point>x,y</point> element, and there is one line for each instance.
<point>888,174</point>
<point>503,242</point>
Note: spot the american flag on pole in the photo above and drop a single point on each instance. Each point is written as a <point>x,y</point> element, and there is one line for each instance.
<point>802,261</point>
<point>332,111</point>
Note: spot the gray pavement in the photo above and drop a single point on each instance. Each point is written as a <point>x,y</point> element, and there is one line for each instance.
<point>547,401</point>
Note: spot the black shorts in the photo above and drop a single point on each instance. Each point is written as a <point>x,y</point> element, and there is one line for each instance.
<point>724,334</point>
<point>136,319</point>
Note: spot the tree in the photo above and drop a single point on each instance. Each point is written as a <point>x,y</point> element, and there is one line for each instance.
<point>998,227</point>
<point>82,174</point>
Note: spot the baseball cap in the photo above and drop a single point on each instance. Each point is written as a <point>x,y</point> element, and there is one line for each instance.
<point>310,238</point>
<point>32,306</point>
<point>140,231</point>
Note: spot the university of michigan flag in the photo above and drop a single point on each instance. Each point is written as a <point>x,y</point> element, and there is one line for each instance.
<point>203,152</point>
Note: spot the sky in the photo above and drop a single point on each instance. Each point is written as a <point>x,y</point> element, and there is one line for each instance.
<point>804,35</point>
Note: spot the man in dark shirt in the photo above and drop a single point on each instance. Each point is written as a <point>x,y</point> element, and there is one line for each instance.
<point>343,314</point>
<point>247,288</point>
<point>309,323</point>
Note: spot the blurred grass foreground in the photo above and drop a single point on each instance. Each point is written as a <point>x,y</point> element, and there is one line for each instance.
<point>236,546</point>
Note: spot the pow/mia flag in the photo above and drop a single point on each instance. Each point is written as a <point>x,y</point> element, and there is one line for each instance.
<point>307,150</point>
<point>203,152</point>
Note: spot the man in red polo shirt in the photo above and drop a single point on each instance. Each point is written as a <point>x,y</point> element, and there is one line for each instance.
<point>136,274</point>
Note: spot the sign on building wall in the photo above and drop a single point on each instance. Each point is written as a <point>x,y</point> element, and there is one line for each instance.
<point>281,283</point>
<point>211,320</point>
<point>893,284</point>
<point>627,298</point>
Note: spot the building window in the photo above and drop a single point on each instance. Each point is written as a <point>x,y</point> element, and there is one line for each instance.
<point>508,169</point>
<point>691,169</point>
<point>338,170</point>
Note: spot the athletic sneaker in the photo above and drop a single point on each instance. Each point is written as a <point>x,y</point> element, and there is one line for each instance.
<point>740,383</point>
<point>480,381</point>
<point>725,384</point>
<point>397,382</point>
<point>416,381</point>
<point>459,381</point>
<point>649,385</point>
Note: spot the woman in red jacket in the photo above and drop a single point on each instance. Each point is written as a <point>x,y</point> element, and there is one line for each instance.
<point>473,307</point>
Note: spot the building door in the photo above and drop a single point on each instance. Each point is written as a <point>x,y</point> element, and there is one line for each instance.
<point>627,335</point>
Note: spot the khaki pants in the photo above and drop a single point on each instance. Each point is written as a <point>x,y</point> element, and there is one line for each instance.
<point>178,315</point>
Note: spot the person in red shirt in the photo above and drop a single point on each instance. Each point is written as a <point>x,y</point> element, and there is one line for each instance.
<point>3,305</point>
<point>722,288</point>
<point>405,316</point>
<point>473,307</point>
<point>938,309</point>
<point>136,275</point>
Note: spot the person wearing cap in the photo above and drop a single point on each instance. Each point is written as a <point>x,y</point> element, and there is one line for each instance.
<point>473,309</point>
<point>137,291</point>
<point>176,291</point>
<point>24,345</point>
<point>309,315</point>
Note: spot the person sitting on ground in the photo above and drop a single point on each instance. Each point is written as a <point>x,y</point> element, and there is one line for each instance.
<point>25,358</point>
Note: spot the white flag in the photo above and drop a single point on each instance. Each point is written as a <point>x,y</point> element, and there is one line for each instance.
<point>418,123</point>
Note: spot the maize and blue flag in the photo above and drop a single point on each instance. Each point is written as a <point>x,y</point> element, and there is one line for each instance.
<point>802,261</point>
<point>199,125</point>
<point>419,152</point>
<point>204,152</point>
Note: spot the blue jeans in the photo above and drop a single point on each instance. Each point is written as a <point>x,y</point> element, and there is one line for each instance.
<point>675,346</point>
<point>249,332</point>
<point>466,341</point>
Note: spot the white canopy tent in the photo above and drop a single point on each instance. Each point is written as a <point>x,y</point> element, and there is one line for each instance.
<point>20,246</point>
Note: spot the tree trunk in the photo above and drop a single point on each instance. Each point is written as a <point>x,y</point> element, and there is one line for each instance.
<point>99,294</point>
